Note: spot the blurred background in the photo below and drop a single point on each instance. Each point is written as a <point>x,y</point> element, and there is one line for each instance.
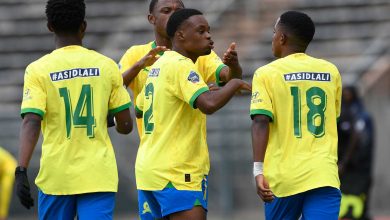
<point>353,34</point>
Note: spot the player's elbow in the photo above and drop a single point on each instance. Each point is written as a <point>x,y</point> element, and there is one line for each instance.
<point>206,105</point>
<point>124,128</point>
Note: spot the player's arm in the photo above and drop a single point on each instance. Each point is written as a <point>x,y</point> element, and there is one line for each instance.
<point>124,122</point>
<point>233,68</point>
<point>210,101</point>
<point>147,60</point>
<point>260,133</point>
<point>29,134</point>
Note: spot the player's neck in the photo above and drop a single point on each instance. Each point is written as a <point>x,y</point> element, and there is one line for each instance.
<point>291,50</point>
<point>185,53</point>
<point>162,41</point>
<point>63,41</point>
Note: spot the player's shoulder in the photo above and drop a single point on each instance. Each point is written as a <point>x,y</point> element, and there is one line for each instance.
<point>36,66</point>
<point>139,49</point>
<point>102,59</point>
<point>267,69</point>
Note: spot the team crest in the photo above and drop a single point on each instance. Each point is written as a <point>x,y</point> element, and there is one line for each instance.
<point>193,77</point>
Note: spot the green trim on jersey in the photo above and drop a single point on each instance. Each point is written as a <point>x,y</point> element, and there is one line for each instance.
<point>120,108</point>
<point>196,95</point>
<point>217,75</point>
<point>262,112</point>
<point>32,110</point>
<point>139,111</point>
<point>154,45</point>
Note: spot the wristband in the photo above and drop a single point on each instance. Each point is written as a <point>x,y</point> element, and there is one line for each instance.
<point>257,168</point>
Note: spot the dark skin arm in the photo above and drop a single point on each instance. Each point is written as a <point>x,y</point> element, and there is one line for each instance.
<point>124,123</point>
<point>29,135</point>
<point>260,133</point>
<point>209,102</point>
<point>138,114</point>
<point>351,149</point>
<point>233,69</point>
<point>146,61</point>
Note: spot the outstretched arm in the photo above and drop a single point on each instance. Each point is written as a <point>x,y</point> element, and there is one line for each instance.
<point>146,61</point>
<point>210,101</point>
<point>260,132</point>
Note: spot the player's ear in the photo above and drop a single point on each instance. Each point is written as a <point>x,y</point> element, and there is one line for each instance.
<point>180,35</point>
<point>283,39</point>
<point>50,27</point>
<point>151,19</point>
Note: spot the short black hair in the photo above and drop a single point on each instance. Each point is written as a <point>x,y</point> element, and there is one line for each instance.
<point>152,5</point>
<point>178,17</point>
<point>65,15</point>
<point>299,25</point>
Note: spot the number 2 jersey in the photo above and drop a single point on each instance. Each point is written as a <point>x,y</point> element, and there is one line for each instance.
<point>302,96</point>
<point>173,147</point>
<point>73,89</point>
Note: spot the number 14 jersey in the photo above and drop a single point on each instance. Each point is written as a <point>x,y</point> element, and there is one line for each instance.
<point>302,96</point>
<point>73,89</point>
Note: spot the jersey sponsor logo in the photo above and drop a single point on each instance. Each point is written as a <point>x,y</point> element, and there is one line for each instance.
<point>193,77</point>
<point>322,77</point>
<point>255,98</point>
<point>74,73</point>
<point>154,72</point>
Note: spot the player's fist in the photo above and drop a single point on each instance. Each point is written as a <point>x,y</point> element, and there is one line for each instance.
<point>263,189</point>
<point>23,187</point>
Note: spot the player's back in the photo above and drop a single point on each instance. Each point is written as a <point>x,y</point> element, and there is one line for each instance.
<point>73,89</point>
<point>304,102</point>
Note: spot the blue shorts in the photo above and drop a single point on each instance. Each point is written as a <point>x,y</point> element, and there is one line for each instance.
<point>161,203</point>
<point>317,204</point>
<point>97,206</point>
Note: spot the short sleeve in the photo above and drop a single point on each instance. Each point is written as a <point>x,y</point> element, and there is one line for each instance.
<point>127,61</point>
<point>210,67</point>
<point>189,85</point>
<point>119,98</point>
<point>34,94</point>
<point>139,107</point>
<point>261,103</point>
<point>338,95</point>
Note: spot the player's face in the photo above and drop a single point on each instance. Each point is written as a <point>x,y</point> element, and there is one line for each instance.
<point>161,13</point>
<point>197,37</point>
<point>276,50</point>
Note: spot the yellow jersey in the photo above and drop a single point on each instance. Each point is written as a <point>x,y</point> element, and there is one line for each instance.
<point>73,89</point>
<point>209,67</point>
<point>7,175</point>
<point>173,147</point>
<point>302,96</point>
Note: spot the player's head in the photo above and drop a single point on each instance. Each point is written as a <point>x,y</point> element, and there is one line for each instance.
<point>66,16</point>
<point>293,30</point>
<point>159,13</point>
<point>189,30</point>
<point>350,95</point>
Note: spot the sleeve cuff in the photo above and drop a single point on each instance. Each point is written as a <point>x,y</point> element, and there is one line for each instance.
<point>262,112</point>
<point>32,110</point>
<point>218,73</point>
<point>196,95</point>
<point>120,108</point>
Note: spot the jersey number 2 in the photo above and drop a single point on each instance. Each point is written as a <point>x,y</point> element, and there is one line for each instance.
<point>84,105</point>
<point>149,126</point>
<point>316,102</point>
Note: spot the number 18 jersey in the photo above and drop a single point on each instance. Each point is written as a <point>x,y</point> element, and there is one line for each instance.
<point>302,96</point>
<point>73,89</point>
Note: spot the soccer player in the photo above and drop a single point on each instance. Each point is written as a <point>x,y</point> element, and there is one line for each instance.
<point>135,63</point>
<point>7,167</point>
<point>295,105</point>
<point>172,162</point>
<point>69,92</point>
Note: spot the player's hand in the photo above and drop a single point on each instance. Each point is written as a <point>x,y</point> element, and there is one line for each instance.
<point>263,189</point>
<point>151,56</point>
<point>230,57</point>
<point>245,86</point>
<point>213,87</point>
<point>23,187</point>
